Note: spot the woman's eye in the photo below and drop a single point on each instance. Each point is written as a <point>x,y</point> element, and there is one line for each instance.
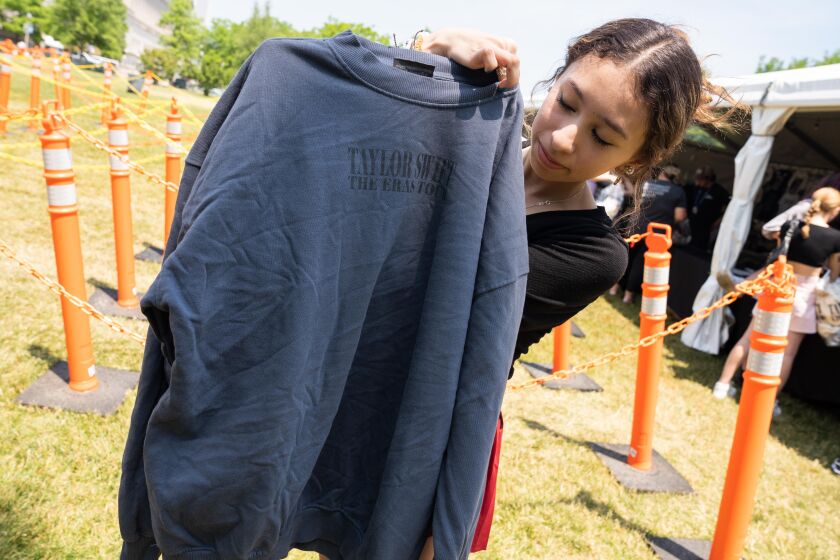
<point>598,139</point>
<point>565,105</point>
<point>569,108</point>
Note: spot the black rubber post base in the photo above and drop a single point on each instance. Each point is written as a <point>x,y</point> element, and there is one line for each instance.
<point>52,390</point>
<point>661,477</point>
<point>105,300</point>
<point>577,382</point>
<point>150,254</point>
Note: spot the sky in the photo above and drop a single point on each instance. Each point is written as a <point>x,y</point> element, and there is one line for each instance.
<point>733,34</point>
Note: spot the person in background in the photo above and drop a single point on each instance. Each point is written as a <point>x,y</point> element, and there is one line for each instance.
<point>663,201</point>
<point>707,200</point>
<point>770,230</point>
<point>812,246</point>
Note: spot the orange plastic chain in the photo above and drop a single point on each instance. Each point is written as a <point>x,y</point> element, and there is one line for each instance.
<point>57,288</point>
<point>633,239</point>
<point>99,144</point>
<point>776,276</point>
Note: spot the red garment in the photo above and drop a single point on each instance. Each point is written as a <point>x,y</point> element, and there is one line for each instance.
<point>485,516</point>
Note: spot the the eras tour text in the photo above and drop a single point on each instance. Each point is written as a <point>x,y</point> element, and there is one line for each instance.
<point>401,171</point>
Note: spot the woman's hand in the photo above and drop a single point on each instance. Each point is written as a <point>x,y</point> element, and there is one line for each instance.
<point>476,50</point>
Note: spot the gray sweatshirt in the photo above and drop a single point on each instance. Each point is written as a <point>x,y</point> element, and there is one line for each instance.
<point>333,324</point>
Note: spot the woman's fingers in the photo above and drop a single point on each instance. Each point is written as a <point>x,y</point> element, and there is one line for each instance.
<point>510,62</point>
<point>477,50</point>
<point>487,57</point>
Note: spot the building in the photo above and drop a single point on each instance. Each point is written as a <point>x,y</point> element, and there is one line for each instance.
<point>144,32</point>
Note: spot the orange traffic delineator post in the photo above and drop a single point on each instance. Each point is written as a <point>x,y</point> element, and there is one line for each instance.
<point>173,165</point>
<point>644,469</point>
<point>106,85</point>
<point>5,87</point>
<point>755,412</point>
<point>562,336</point>
<point>562,343</point>
<point>64,219</point>
<point>121,202</point>
<point>59,91</point>
<point>35,88</point>
<point>651,321</point>
<point>173,175</point>
<point>77,385</point>
<point>66,78</point>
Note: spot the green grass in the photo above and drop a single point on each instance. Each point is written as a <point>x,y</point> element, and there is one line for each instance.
<point>59,471</point>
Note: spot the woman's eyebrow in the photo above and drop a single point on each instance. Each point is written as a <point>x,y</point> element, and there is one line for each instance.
<point>610,123</point>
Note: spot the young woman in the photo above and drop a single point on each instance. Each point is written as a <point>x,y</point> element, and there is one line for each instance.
<point>814,245</point>
<point>621,103</point>
<point>663,201</point>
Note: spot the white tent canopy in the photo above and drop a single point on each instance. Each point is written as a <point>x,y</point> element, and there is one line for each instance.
<point>774,97</point>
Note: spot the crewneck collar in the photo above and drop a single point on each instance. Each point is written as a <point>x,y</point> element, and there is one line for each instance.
<point>452,84</point>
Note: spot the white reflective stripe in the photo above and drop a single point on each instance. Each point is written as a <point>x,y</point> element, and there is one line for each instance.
<point>6,69</point>
<point>117,164</point>
<point>765,363</point>
<point>772,322</point>
<point>173,127</point>
<point>655,306</point>
<point>57,160</point>
<point>656,274</point>
<point>61,195</point>
<point>36,73</point>
<point>91,371</point>
<point>118,137</point>
<point>107,81</point>
<point>173,148</point>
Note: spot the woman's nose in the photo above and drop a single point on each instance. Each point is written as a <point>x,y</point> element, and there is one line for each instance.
<point>563,139</point>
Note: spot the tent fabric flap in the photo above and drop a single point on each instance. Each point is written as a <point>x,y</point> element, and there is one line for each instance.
<point>750,165</point>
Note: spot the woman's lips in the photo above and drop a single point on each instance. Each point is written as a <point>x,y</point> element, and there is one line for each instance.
<point>545,160</point>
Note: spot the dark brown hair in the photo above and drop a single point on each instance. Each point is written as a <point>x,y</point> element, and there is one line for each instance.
<point>669,79</point>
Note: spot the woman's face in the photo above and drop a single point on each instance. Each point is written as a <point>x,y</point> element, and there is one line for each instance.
<point>591,122</point>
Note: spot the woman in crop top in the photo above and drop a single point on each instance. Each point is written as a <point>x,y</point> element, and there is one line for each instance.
<point>814,246</point>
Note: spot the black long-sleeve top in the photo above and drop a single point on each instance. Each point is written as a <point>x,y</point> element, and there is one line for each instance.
<point>574,257</point>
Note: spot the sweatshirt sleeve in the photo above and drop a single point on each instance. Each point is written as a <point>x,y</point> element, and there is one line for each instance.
<point>133,502</point>
<point>495,315</point>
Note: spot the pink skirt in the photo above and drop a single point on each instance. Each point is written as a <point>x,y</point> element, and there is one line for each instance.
<point>804,317</point>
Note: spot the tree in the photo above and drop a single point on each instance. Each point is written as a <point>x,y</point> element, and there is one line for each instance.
<point>160,61</point>
<point>185,39</point>
<point>774,64</point>
<point>219,60</point>
<point>14,14</point>
<point>248,35</point>
<point>99,23</point>
<point>333,27</point>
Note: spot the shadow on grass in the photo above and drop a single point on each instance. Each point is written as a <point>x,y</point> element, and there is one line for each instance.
<point>44,354</point>
<point>540,427</point>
